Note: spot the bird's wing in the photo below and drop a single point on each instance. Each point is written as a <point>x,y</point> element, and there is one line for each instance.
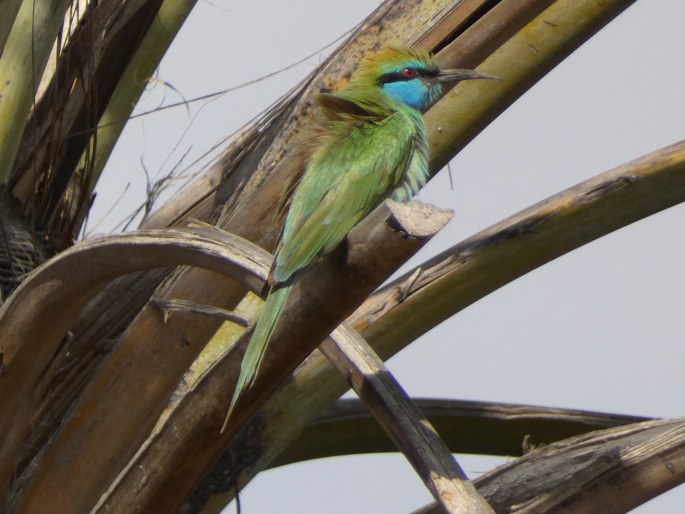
<point>356,167</point>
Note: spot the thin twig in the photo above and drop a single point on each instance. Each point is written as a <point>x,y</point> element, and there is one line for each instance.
<point>167,306</point>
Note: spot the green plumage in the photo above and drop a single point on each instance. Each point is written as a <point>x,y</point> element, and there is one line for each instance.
<point>344,181</point>
<point>371,146</point>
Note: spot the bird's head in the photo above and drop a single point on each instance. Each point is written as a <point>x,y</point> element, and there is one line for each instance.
<point>410,76</point>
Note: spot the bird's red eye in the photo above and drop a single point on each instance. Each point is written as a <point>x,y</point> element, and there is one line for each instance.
<point>410,73</point>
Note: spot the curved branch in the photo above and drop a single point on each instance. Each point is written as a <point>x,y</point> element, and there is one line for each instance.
<point>30,338</point>
<point>426,296</point>
<point>482,428</point>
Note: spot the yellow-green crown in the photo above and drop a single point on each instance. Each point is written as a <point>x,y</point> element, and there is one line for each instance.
<point>392,59</point>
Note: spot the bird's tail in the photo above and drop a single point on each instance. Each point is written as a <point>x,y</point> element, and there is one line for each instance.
<point>256,348</point>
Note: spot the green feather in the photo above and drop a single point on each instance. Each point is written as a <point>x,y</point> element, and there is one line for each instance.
<point>346,178</point>
<point>254,353</point>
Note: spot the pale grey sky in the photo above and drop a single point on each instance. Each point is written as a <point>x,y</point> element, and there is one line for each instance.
<point>599,329</point>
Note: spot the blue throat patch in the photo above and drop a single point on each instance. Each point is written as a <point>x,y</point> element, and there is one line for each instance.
<point>415,93</point>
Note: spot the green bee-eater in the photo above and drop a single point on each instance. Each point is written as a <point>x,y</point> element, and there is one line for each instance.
<point>372,146</point>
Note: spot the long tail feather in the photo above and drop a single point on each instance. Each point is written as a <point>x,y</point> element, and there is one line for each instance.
<point>256,348</point>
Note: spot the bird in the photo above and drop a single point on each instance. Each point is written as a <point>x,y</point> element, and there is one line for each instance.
<point>371,146</point>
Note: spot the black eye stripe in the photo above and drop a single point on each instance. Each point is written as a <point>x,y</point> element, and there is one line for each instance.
<point>398,76</point>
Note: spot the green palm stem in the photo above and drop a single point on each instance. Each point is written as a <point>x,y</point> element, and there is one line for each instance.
<point>168,21</point>
<point>22,63</point>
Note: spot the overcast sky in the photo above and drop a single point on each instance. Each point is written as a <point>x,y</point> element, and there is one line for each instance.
<point>598,329</point>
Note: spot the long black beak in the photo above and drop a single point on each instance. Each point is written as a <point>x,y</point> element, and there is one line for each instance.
<point>457,75</point>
